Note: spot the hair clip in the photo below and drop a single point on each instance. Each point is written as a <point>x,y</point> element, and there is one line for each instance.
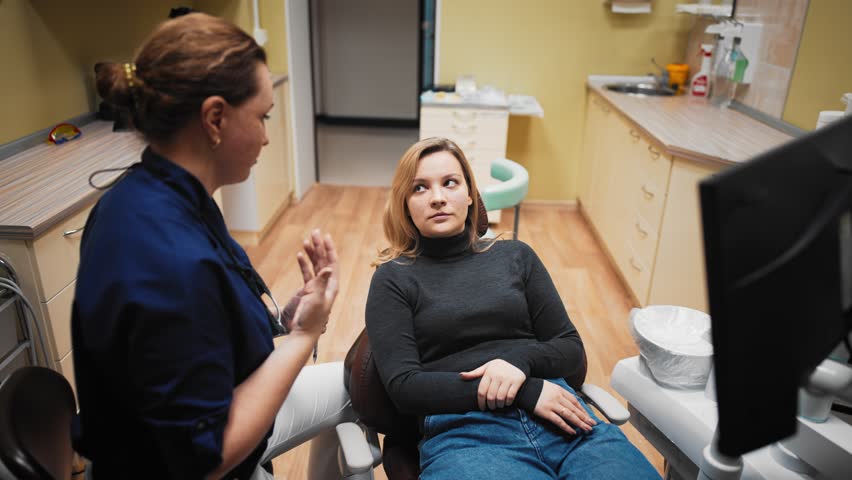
<point>130,73</point>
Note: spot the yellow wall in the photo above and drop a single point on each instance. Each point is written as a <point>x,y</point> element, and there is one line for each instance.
<point>823,72</point>
<point>236,11</point>
<point>547,48</point>
<point>48,49</point>
<point>272,20</point>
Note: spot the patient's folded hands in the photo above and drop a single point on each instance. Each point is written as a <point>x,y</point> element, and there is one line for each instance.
<point>500,383</point>
<point>562,408</point>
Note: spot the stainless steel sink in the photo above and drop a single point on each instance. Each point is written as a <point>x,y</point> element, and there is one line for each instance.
<point>640,89</point>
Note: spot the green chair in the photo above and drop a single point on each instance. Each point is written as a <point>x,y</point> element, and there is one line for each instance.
<point>515,182</point>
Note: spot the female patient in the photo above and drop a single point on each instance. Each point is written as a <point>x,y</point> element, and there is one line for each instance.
<point>472,337</point>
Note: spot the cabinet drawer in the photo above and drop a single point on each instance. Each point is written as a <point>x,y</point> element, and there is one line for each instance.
<point>643,237</point>
<point>57,254</point>
<point>59,320</point>
<point>636,270</point>
<point>650,198</point>
<point>484,157</point>
<point>464,119</point>
<point>469,140</point>
<point>654,165</point>
<point>467,127</point>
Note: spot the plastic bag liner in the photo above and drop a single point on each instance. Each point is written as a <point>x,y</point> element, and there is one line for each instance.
<point>675,343</point>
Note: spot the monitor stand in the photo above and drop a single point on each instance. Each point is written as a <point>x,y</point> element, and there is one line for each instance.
<point>825,433</point>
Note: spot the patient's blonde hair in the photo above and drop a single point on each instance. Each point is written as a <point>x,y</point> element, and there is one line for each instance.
<point>400,230</point>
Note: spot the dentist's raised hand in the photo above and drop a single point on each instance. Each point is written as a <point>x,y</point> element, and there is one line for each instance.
<point>321,275</point>
<point>500,383</point>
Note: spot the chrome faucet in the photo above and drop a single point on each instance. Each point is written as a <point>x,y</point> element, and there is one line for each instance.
<point>662,81</point>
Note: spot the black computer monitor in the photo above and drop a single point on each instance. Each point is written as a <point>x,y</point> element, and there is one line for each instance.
<point>778,251</point>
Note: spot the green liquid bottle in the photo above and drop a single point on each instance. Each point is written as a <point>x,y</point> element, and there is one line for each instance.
<point>740,62</point>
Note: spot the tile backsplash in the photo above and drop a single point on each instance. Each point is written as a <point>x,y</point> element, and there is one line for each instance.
<point>783,21</point>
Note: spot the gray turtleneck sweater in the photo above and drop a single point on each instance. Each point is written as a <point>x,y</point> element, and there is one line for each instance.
<point>452,310</point>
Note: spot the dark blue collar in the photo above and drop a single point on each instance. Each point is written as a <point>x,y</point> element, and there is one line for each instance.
<point>179,179</point>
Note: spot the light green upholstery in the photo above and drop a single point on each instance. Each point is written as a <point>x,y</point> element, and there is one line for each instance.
<point>515,182</point>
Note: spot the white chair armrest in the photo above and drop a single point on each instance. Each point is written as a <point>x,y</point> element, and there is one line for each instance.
<point>356,455</point>
<point>606,404</point>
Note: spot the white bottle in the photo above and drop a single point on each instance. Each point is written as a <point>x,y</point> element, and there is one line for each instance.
<point>718,72</point>
<point>700,85</point>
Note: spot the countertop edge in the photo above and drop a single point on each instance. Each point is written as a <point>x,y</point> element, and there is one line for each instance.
<point>592,85</point>
<point>668,148</point>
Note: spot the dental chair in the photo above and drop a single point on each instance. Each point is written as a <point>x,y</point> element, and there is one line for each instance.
<point>36,408</point>
<point>377,413</point>
<point>513,187</point>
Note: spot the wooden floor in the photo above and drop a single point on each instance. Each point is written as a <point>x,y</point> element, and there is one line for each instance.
<point>595,298</point>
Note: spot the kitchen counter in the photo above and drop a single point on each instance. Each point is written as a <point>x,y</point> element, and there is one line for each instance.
<point>689,127</point>
<point>43,185</point>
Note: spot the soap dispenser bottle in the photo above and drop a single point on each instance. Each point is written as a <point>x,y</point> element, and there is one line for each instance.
<point>738,63</point>
<point>700,85</point>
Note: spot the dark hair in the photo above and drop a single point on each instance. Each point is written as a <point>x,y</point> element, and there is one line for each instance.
<point>183,62</point>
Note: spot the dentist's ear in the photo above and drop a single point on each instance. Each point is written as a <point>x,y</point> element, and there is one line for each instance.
<point>213,118</point>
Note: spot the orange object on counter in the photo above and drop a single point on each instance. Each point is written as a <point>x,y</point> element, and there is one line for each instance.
<point>678,75</point>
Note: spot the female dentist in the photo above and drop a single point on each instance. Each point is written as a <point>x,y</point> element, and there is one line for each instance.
<point>176,370</point>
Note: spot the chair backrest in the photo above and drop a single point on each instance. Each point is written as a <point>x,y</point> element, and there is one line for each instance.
<point>37,407</point>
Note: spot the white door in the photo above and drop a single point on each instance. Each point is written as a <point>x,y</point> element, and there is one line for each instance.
<point>301,94</point>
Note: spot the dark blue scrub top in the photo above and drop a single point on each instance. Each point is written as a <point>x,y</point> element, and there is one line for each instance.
<point>164,327</point>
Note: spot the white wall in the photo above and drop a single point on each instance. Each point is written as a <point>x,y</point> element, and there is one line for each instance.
<point>368,58</point>
<point>301,93</point>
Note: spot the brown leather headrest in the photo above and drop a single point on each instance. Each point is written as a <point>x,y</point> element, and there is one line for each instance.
<point>369,398</point>
<point>482,224</point>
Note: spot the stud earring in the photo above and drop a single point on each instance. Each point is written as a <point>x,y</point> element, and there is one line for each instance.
<point>216,143</point>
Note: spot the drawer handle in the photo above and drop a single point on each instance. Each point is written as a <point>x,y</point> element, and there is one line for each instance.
<point>464,128</point>
<point>654,152</point>
<point>635,265</point>
<point>464,115</point>
<point>642,232</point>
<point>634,134</point>
<point>648,193</point>
<point>68,233</point>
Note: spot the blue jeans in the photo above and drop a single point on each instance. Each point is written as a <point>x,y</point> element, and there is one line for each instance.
<point>512,444</point>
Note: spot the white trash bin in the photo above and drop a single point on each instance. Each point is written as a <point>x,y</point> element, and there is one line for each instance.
<point>675,343</point>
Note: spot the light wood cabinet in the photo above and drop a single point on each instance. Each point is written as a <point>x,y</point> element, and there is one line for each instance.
<point>251,208</point>
<point>481,133</point>
<point>643,204</point>
<point>679,274</point>
<point>46,267</point>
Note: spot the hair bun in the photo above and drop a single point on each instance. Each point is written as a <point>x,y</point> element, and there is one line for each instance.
<point>112,84</point>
